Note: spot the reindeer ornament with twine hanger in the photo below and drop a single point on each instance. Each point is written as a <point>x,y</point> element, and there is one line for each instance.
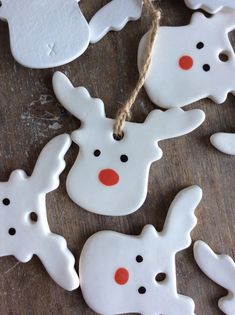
<point>110,175</point>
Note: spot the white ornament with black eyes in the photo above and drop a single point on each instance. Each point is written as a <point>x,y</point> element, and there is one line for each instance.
<point>219,268</point>
<point>192,62</point>
<point>110,177</point>
<point>211,6</point>
<point>24,230</point>
<point>45,33</point>
<point>138,273</point>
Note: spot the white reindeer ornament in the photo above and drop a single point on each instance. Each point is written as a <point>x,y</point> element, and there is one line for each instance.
<point>48,33</point>
<point>211,6</point>
<point>110,177</point>
<point>23,221</point>
<point>192,62</point>
<point>219,268</point>
<point>124,274</point>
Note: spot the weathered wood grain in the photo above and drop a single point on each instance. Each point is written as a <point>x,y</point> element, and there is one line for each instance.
<point>30,116</point>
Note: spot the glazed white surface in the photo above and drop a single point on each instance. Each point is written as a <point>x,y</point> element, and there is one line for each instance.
<point>211,6</point>
<point>170,85</point>
<point>26,195</point>
<point>45,33</point>
<point>220,269</point>
<point>140,145</point>
<point>224,142</point>
<point>106,252</point>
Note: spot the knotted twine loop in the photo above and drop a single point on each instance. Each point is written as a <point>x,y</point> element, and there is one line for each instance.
<point>125,112</point>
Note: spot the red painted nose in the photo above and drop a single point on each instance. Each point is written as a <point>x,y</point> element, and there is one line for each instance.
<point>186,62</point>
<point>122,276</point>
<point>109,177</point>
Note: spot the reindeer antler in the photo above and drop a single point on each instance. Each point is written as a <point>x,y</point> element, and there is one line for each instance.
<point>113,17</point>
<point>50,164</point>
<point>77,100</point>
<point>219,268</point>
<point>181,219</point>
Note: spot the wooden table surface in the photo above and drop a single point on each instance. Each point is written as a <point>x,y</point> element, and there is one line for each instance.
<point>30,116</point>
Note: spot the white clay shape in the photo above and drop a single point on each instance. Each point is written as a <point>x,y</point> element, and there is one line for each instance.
<point>219,268</point>
<point>192,62</point>
<point>224,142</point>
<point>211,6</point>
<point>137,274</point>
<point>110,177</point>
<point>45,33</point>
<point>24,230</point>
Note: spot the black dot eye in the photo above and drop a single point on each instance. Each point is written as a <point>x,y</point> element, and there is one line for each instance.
<point>206,67</point>
<point>12,231</point>
<point>139,259</point>
<point>200,45</point>
<point>97,153</point>
<point>142,290</point>
<point>160,277</point>
<point>6,201</point>
<point>124,158</point>
<point>0,3</point>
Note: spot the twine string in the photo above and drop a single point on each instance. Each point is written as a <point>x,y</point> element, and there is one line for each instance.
<point>125,112</point>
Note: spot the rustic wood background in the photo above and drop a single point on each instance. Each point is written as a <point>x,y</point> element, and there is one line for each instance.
<point>30,116</point>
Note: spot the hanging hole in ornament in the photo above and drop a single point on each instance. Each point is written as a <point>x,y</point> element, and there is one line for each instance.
<point>118,137</point>
<point>223,56</point>
<point>33,217</point>
<point>160,277</point>
<point>12,231</point>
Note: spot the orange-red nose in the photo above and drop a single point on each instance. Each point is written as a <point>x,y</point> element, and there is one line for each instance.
<point>109,177</point>
<point>122,276</point>
<point>186,62</point>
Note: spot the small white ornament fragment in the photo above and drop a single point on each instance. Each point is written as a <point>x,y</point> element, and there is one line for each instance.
<point>45,33</point>
<point>24,229</point>
<point>110,177</point>
<point>211,6</point>
<point>219,268</point>
<point>192,62</point>
<point>137,274</point>
<point>224,142</point>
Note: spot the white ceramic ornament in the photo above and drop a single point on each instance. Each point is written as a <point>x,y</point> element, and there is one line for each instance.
<point>192,62</point>
<point>224,142</point>
<point>110,177</point>
<point>124,274</point>
<point>24,230</point>
<point>219,268</point>
<point>47,33</point>
<point>211,6</point>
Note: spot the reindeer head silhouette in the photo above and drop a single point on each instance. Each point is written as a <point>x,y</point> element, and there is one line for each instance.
<point>47,33</point>
<point>23,220</point>
<point>137,273</point>
<point>111,177</point>
<point>193,61</point>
